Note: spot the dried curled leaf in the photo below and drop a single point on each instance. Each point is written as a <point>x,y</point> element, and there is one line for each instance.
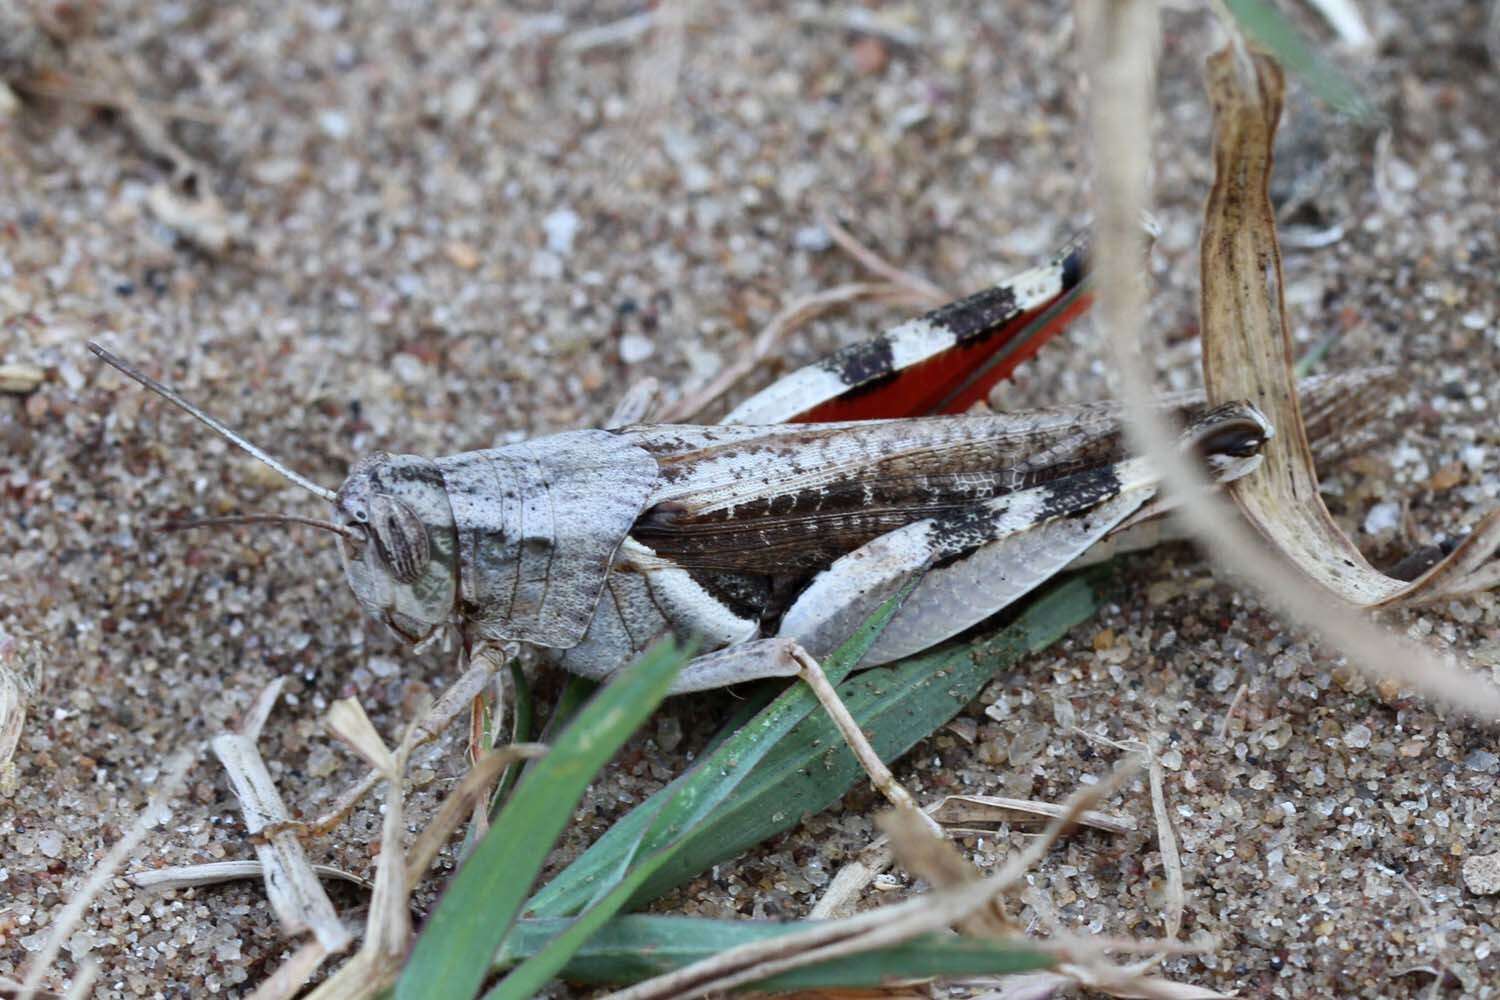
<point>1247,354</point>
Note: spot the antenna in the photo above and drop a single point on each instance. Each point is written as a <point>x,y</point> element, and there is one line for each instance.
<point>214,425</point>
<point>234,519</point>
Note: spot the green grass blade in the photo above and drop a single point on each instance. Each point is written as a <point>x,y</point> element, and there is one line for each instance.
<point>1272,31</point>
<point>691,801</point>
<point>630,949</point>
<point>452,956</point>
<point>525,719</point>
<point>810,768</point>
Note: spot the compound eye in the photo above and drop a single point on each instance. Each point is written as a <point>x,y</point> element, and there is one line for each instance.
<point>400,538</point>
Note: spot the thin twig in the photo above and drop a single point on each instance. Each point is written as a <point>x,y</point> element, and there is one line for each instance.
<point>876,264</point>
<point>291,975</point>
<point>1346,21</point>
<point>473,788</point>
<point>83,980</point>
<point>1166,842</point>
<point>456,699</point>
<point>296,895</point>
<point>86,93</point>
<point>855,876</point>
<point>624,31</point>
<point>956,809</point>
<point>13,698</point>
<point>880,775</point>
<point>219,872</point>
<point>1234,706</point>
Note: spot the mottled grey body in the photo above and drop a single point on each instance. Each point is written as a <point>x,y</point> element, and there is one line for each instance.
<point>595,543</point>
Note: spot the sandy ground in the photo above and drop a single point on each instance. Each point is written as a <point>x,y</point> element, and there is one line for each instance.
<point>450,225</point>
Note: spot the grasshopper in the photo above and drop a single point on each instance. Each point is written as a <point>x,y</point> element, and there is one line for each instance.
<point>768,527</point>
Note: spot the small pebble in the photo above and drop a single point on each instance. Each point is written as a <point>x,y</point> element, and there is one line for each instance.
<point>20,378</point>
<point>561,227</point>
<point>1382,517</point>
<point>1482,761</point>
<point>50,843</point>
<point>1357,736</point>
<point>461,255</point>
<point>335,124</point>
<point>635,348</point>
<point>813,239</point>
<point>1482,874</point>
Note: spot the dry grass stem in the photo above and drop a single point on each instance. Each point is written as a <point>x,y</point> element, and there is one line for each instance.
<point>880,775</point>
<point>290,976</point>
<point>62,88</point>
<point>939,862</point>
<point>854,877</point>
<point>83,981</point>
<point>12,716</point>
<point>876,264</point>
<point>389,924</point>
<point>624,31</point>
<point>1346,21</point>
<point>1166,842</point>
<point>456,699</point>
<point>473,788</point>
<point>851,880</point>
<point>10,989</point>
<point>1247,354</point>
<point>1122,40</point>
<point>166,789</point>
<point>1134,982</point>
<point>291,885</point>
<point>218,872</point>
<point>346,719</point>
<point>956,809</point>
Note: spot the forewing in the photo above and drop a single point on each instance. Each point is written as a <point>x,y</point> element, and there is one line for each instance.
<point>787,500</point>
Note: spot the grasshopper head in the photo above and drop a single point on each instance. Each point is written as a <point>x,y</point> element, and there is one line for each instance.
<point>400,548</point>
